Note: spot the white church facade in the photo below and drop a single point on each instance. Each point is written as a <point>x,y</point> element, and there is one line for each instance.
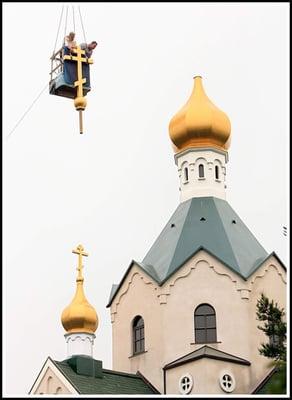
<point>184,318</point>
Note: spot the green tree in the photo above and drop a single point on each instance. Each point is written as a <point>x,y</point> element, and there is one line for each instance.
<point>275,328</point>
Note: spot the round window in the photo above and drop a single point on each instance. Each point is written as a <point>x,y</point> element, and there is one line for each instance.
<point>227,381</point>
<point>185,384</point>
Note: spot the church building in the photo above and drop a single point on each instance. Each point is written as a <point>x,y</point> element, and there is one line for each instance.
<point>184,318</point>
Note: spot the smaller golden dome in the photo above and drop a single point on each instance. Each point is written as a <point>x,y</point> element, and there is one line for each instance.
<point>79,316</point>
<point>200,123</point>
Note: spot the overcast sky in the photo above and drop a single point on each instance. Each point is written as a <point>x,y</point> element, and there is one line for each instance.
<point>114,188</point>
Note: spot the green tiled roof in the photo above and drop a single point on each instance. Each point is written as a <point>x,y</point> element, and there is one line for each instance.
<point>108,382</point>
<point>205,223</point>
<point>208,352</point>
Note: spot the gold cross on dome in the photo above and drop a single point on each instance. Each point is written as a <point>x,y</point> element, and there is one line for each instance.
<point>80,251</point>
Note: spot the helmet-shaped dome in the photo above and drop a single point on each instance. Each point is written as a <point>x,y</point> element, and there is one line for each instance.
<point>79,316</point>
<point>200,123</point>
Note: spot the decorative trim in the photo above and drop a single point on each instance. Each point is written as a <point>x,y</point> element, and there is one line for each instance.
<point>197,149</point>
<point>130,281</point>
<point>265,270</point>
<point>187,273</point>
<point>244,293</point>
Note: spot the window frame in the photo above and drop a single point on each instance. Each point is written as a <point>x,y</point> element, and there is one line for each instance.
<point>201,327</point>
<point>217,173</point>
<point>201,171</point>
<point>138,335</point>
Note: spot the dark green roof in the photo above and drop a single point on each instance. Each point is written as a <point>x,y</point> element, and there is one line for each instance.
<point>105,381</point>
<point>273,383</point>
<point>208,352</point>
<point>205,223</point>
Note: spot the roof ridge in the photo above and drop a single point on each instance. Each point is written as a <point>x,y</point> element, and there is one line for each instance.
<point>224,352</point>
<point>225,234</point>
<point>248,231</point>
<point>179,237</point>
<point>196,355</point>
<point>113,372</point>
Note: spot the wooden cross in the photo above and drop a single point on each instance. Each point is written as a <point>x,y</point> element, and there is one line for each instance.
<point>80,60</point>
<point>80,251</point>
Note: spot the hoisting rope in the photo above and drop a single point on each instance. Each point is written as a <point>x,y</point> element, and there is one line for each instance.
<point>82,25</point>
<point>29,108</point>
<point>73,19</point>
<point>58,30</point>
<point>65,25</point>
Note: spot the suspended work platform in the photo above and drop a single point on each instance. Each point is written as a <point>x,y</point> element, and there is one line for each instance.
<point>64,75</point>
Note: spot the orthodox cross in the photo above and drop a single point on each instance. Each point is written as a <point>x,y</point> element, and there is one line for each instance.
<point>80,251</point>
<point>80,60</point>
<point>80,79</point>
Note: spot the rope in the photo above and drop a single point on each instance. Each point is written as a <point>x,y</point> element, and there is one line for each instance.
<point>58,29</point>
<point>73,19</point>
<point>82,25</point>
<point>65,24</point>
<point>29,108</point>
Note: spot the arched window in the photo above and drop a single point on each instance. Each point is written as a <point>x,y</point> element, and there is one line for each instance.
<point>138,335</point>
<point>201,171</point>
<point>205,324</point>
<point>216,172</point>
<point>186,172</point>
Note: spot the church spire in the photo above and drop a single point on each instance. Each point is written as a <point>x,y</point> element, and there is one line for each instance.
<point>79,319</point>
<point>200,134</point>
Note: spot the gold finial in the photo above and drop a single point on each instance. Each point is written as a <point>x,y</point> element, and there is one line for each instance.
<point>80,251</point>
<point>79,316</point>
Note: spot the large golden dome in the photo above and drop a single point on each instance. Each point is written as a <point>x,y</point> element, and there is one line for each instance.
<point>79,316</point>
<point>200,123</point>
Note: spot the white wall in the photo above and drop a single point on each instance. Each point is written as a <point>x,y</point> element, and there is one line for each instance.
<point>196,186</point>
<point>168,313</point>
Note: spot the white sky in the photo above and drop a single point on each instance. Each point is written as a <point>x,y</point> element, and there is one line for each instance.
<point>114,188</point>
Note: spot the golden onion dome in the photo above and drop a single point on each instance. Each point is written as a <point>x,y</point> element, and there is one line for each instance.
<point>79,316</point>
<point>200,123</point>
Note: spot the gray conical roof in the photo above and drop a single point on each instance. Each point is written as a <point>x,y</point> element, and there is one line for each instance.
<point>209,223</point>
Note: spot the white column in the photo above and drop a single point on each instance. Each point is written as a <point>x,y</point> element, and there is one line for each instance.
<point>79,344</point>
<point>202,173</point>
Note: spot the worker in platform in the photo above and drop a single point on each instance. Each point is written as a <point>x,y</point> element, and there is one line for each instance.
<point>70,43</point>
<point>88,47</point>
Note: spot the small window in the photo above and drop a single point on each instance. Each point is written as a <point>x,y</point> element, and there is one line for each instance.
<point>216,172</point>
<point>205,324</point>
<point>185,384</point>
<point>138,335</point>
<point>201,171</point>
<point>186,173</point>
<point>227,382</point>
